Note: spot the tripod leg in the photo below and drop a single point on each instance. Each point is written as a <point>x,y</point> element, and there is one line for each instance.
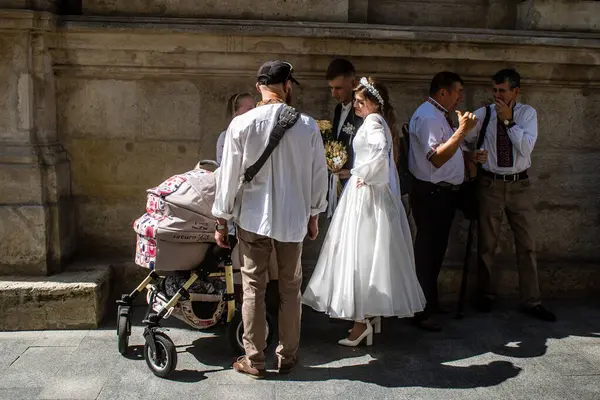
<point>465,274</point>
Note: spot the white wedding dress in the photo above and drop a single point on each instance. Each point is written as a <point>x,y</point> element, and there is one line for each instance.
<point>366,267</point>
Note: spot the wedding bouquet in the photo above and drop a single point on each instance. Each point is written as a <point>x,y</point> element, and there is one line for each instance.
<point>336,156</point>
<point>326,129</point>
<point>335,151</point>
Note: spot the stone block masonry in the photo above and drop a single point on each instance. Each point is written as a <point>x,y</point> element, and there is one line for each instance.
<point>98,107</point>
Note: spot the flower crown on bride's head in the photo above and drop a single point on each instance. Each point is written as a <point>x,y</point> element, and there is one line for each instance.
<point>371,89</point>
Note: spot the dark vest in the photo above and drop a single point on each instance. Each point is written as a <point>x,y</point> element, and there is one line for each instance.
<point>345,138</point>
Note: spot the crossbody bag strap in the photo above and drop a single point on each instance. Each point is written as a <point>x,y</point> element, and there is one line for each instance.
<point>484,126</point>
<point>286,119</point>
<point>482,132</point>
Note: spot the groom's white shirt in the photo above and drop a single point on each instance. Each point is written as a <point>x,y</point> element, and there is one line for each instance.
<point>291,185</point>
<point>346,108</point>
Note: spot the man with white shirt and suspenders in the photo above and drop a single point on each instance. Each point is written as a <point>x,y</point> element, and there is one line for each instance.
<point>504,188</point>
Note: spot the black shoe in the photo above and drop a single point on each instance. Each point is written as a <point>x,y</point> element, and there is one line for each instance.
<point>483,304</point>
<point>427,324</point>
<point>286,368</point>
<point>539,312</point>
<point>440,310</point>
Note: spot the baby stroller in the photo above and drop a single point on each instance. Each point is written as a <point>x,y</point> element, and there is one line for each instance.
<point>190,277</point>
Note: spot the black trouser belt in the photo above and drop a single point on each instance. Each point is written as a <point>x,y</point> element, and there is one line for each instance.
<point>440,185</point>
<point>512,177</point>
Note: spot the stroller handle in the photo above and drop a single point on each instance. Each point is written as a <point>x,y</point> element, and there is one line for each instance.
<point>209,162</point>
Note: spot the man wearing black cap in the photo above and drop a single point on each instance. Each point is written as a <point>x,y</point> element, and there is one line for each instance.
<point>274,211</point>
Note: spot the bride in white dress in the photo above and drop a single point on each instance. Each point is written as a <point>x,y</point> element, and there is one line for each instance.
<point>366,268</point>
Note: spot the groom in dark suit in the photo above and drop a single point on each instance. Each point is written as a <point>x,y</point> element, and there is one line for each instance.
<point>341,78</point>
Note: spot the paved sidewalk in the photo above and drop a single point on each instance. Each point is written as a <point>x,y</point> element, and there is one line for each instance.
<point>503,355</point>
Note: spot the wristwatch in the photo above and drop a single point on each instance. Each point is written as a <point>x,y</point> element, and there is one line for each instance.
<point>220,227</point>
<point>509,123</point>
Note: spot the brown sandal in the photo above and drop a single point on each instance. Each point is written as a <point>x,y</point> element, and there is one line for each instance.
<point>243,367</point>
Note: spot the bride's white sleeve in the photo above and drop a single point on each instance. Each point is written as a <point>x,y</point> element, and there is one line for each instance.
<point>376,169</point>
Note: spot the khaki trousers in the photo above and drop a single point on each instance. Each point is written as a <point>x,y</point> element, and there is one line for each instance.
<point>256,251</point>
<point>513,198</point>
<point>238,261</point>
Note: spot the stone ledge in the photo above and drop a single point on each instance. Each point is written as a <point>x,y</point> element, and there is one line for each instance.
<point>326,30</point>
<point>74,299</point>
<point>27,20</point>
<point>313,10</point>
<point>38,5</point>
<point>85,45</point>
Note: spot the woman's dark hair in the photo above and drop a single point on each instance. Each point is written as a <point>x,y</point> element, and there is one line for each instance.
<point>387,111</point>
<point>233,104</point>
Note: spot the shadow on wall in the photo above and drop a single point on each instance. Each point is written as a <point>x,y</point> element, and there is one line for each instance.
<point>69,7</point>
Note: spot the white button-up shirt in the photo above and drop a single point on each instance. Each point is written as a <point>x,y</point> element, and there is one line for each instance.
<point>344,114</point>
<point>291,185</point>
<point>428,130</point>
<point>523,136</point>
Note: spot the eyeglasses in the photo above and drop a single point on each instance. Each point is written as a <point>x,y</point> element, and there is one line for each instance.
<point>291,69</point>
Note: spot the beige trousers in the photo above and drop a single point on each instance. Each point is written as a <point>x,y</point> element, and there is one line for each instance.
<point>256,251</point>
<point>496,198</point>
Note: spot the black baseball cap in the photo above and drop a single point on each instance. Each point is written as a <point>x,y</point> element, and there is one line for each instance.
<point>273,72</point>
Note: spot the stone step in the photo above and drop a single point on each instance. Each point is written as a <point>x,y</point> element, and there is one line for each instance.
<point>74,299</point>
<point>79,297</point>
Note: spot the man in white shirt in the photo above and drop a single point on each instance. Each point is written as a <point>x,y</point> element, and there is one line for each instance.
<point>274,210</point>
<point>504,188</point>
<point>436,161</point>
<point>341,78</point>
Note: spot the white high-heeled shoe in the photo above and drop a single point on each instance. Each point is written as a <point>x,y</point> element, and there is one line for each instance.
<point>368,334</point>
<point>376,323</point>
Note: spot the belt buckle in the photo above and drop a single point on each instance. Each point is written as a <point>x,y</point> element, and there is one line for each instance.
<point>513,178</point>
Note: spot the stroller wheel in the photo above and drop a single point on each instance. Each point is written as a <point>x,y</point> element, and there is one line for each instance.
<point>123,328</point>
<point>166,357</point>
<point>235,332</point>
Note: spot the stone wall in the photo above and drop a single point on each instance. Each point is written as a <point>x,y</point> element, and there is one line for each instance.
<point>462,13</point>
<point>137,99</point>
<point>444,13</point>
<point>566,15</point>
<point>562,15</point>
<point>37,226</point>
<point>139,106</point>
<point>279,10</point>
